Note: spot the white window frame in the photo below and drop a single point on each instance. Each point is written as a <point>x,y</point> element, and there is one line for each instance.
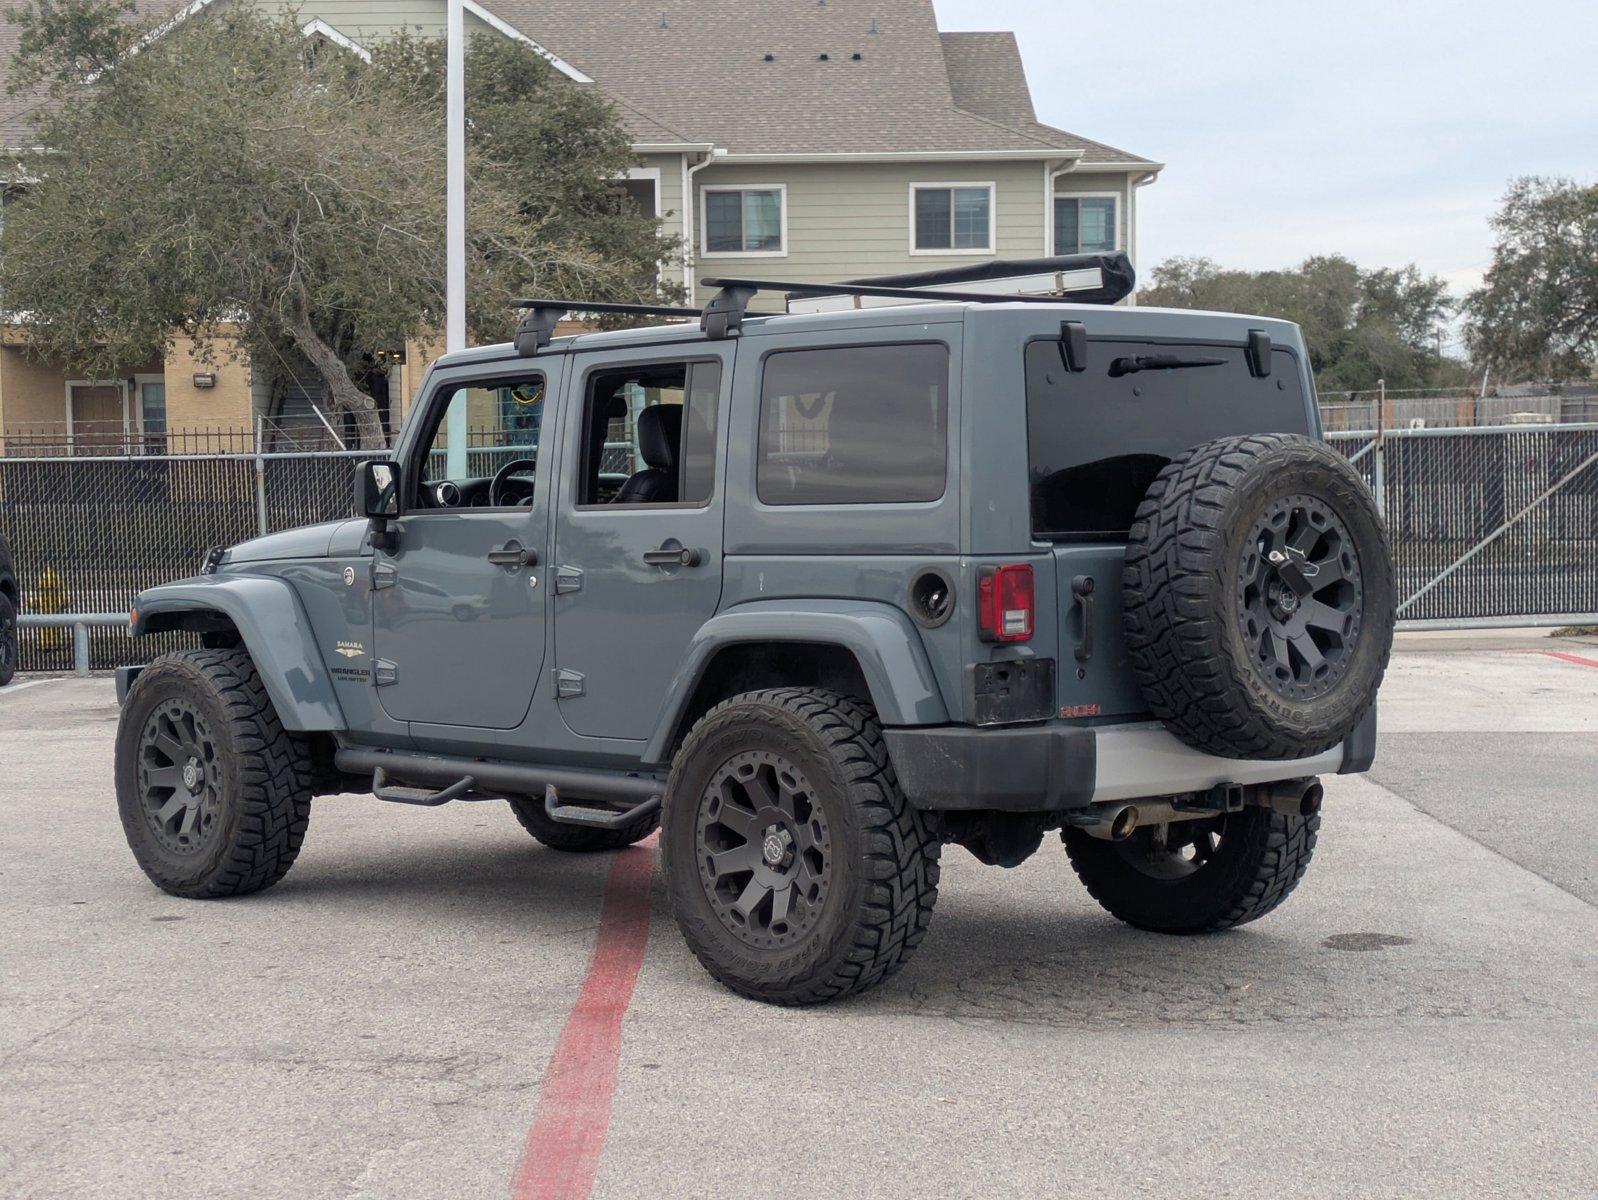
<point>1115,224</point>
<point>990,249</point>
<point>704,219</point>
<point>652,174</point>
<point>136,401</point>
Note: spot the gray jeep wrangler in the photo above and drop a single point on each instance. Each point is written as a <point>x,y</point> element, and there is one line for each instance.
<point>817,593</point>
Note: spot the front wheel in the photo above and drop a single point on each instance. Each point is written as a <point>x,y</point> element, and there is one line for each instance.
<point>1197,876</point>
<point>215,794</point>
<point>797,870</point>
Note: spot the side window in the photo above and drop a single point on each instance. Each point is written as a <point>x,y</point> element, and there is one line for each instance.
<point>854,425</point>
<point>649,435</point>
<point>478,428</point>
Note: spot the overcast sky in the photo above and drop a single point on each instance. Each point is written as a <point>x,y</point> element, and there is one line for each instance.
<point>1385,131</point>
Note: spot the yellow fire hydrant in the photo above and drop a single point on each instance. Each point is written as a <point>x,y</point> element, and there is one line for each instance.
<point>51,597</point>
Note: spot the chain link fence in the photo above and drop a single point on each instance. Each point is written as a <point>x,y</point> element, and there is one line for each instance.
<point>1488,525</point>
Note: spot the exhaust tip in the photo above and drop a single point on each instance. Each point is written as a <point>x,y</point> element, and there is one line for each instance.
<point>1310,803</point>
<point>1123,823</point>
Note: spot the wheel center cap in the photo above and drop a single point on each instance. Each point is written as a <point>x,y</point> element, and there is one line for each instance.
<point>776,848</point>
<point>192,774</point>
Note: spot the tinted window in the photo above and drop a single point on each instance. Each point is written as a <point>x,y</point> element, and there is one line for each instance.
<point>1096,441</point>
<point>854,425</point>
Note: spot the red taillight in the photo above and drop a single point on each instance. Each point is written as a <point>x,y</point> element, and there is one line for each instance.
<point>1004,603</point>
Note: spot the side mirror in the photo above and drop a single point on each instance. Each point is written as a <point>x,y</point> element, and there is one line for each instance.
<point>377,487</point>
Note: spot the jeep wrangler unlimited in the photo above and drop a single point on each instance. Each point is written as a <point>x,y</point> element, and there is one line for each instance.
<point>817,593</point>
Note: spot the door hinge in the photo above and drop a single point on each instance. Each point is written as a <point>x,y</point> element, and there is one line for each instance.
<point>385,672</point>
<point>384,575</point>
<point>568,683</point>
<point>568,579</point>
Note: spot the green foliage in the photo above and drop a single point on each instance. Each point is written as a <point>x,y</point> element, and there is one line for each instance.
<point>233,177</point>
<point>1361,326</point>
<point>1536,313</point>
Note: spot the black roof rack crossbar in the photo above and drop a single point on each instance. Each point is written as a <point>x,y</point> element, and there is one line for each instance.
<point>865,289</point>
<point>535,329</point>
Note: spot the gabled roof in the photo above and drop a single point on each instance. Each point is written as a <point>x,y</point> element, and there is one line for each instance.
<point>987,78</point>
<point>701,67</point>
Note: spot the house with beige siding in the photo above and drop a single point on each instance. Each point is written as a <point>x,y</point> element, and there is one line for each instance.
<point>804,140</point>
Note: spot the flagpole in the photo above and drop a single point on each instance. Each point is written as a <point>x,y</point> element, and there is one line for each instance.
<point>455,217</point>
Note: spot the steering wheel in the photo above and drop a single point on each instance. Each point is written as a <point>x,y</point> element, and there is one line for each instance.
<point>515,467</point>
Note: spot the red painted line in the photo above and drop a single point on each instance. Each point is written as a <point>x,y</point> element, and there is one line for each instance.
<point>561,1158</point>
<point>1570,658</point>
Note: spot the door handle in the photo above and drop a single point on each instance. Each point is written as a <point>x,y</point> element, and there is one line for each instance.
<point>1082,589</point>
<point>512,554</point>
<point>673,553</point>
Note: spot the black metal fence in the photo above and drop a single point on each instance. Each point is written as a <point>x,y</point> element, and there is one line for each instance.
<point>1488,525</point>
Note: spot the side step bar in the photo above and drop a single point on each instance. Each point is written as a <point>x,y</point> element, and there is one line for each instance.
<point>595,818</point>
<point>458,778</point>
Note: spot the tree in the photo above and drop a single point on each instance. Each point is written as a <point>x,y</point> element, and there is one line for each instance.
<point>1361,325</point>
<point>1537,309</point>
<point>236,181</point>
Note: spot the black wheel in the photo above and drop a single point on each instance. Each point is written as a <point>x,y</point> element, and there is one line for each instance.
<point>8,639</point>
<point>1259,597</point>
<point>577,839</point>
<point>1197,876</point>
<point>214,794</point>
<point>797,870</point>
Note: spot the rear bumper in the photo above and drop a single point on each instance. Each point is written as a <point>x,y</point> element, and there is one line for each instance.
<point>1051,767</point>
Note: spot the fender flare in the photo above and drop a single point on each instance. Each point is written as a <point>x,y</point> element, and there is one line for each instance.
<point>882,639</point>
<point>272,621</point>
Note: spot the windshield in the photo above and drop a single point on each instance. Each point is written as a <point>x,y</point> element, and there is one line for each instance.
<point>1097,438</point>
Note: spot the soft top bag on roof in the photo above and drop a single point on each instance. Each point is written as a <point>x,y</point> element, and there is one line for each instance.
<point>1115,282</point>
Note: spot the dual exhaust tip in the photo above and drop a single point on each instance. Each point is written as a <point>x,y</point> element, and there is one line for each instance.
<point>1116,822</point>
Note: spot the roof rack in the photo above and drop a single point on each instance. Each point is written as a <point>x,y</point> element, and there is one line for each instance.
<point>535,329</point>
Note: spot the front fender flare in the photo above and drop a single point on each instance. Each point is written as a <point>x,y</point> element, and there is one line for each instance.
<point>272,621</point>
<point>882,639</point>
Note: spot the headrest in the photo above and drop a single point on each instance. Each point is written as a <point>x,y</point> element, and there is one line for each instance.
<point>660,434</point>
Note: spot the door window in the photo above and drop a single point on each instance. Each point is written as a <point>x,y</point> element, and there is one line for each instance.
<point>478,429</point>
<point>649,435</point>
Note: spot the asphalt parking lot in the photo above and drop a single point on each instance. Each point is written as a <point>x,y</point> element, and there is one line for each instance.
<point>406,1014</point>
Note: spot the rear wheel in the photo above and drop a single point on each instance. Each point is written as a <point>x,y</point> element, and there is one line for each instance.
<point>214,794</point>
<point>1197,876</point>
<point>577,839</point>
<point>8,639</point>
<point>797,870</point>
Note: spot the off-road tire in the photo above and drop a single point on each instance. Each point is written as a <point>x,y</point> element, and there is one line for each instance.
<point>261,776</point>
<point>8,639</point>
<point>1186,633</point>
<point>883,857</point>
<point>1260,859</point>
<point>578,839</point>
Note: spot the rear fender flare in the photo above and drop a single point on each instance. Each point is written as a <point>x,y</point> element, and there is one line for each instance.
<point>276,632</point>
<point>883,640</point>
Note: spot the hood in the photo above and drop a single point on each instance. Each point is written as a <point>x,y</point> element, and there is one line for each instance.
<point>311,541</point>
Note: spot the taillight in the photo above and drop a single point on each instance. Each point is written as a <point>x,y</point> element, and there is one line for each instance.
<point>1004,603</point>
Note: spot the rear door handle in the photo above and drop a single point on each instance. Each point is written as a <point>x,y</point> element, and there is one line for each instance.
<point>673,553</point>
<point>1082,589</point>
<point>512,554</point>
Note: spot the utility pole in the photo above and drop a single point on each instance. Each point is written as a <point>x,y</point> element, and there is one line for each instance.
<point>455,221</point>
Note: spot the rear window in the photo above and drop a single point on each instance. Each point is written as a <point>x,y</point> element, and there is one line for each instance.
<point>1096,441</point>
<point>854,425</point>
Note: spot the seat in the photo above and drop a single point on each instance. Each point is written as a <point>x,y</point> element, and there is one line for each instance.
<point>659,431</point>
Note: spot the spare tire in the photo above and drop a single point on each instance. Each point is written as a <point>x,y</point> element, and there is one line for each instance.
<point>1258,595</point>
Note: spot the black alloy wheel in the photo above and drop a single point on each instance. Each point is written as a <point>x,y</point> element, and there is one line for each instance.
<point>179,777</point>
<point>1299,597</point>
<point>765,850</point>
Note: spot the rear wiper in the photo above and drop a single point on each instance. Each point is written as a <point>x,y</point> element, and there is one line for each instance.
<point>1158,362</point>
